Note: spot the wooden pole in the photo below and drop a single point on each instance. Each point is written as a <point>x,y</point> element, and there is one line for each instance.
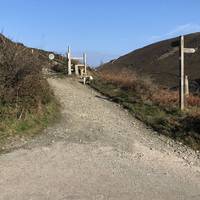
<point>76,70</point>
<point>69,61</point>
<point>182,77</point>
<point>85,62</point>
<point>187,92</point>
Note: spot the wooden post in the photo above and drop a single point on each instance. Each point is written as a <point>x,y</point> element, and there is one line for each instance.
<point>182,77</point>
<point>184,84</point>
<point>187,92</point>
<point>82,73</point>
<point>85,62</point>
<point>76,70</point>
<point>84,80</point>
<point>69,61</point>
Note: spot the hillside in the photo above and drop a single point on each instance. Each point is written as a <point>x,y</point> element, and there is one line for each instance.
<point>160,61</point>
<point>20,70</point>
<point>26,100</point>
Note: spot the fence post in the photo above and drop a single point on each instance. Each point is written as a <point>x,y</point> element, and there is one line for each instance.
<point>85,62</point>
<point>76,70</point>
<point>69,61</point>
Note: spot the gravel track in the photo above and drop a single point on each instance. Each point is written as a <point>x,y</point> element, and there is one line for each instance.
<point>98,151</point>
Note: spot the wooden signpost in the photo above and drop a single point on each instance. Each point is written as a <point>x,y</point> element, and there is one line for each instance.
<point>69,64</point>
<point>183,50</point>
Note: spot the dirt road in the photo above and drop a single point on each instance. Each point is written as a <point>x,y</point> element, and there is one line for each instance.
<point>98,151</point>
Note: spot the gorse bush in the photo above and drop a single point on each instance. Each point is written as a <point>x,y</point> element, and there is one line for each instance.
<point>22,87</point>
<point>27,104</point>
<point>130,81</point>
<point>144,88</point>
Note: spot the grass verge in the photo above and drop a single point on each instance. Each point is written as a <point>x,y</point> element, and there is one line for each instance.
<point>30,125</point>
<point>181,126</point>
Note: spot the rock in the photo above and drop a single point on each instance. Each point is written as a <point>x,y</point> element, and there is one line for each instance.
<point>185,157</point>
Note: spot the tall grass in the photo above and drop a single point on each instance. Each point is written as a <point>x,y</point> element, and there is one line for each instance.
<point>146,88</point>
<point>153,104</point>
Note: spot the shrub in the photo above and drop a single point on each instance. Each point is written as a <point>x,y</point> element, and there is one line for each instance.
<point>145,88</point>
<point>22,86</point>
<point>142,86</point>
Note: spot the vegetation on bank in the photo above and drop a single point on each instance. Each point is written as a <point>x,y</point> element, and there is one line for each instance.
<point>155,106</point>
<point>31,124</point>
<point>27,103</point>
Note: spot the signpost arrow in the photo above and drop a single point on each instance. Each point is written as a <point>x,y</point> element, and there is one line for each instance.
<point>189,50</point>
<point>183,50</point>
<point>77,58</point>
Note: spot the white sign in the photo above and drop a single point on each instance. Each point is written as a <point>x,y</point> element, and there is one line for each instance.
<point>51,56</point>
<point>77,58</point>
<point>189,50</point>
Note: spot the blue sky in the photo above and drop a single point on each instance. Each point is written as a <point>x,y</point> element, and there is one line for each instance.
<point>105,29</point>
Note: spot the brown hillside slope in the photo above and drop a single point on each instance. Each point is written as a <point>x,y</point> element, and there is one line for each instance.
<point>20,74</point>
<point>160,61</point>
<point>24,92</point>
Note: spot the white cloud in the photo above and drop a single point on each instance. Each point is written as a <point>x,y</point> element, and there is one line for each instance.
<point>179,30</point>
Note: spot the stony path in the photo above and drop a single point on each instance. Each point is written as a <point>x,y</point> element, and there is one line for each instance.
<point>98,151</point>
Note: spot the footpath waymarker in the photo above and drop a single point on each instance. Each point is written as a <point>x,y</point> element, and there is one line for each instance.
<point>189,50</point>
<point>51,56</point>
<point>182,51</point>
